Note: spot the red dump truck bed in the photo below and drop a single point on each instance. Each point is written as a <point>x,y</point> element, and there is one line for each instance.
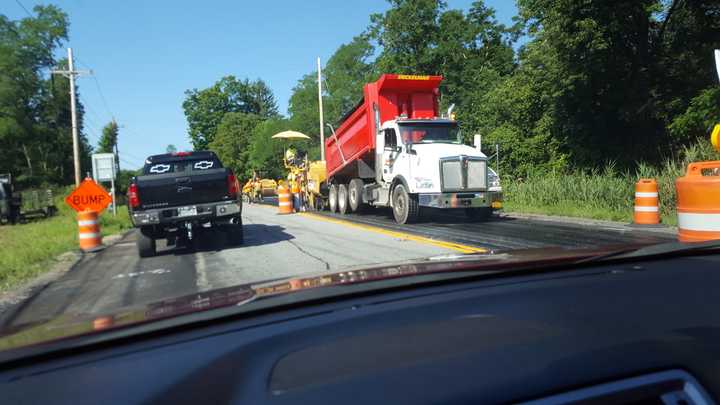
<point>410,96</point>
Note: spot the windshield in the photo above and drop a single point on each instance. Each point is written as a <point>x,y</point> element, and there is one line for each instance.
<point>162,160</point>
<point>430,133</point>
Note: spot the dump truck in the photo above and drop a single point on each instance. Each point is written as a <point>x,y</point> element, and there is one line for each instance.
<point>396,150</point>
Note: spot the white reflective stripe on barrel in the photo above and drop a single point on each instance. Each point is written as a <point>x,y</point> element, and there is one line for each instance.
<point>89,235</point>
<point>283,195</point>
<point>644,194</point>
<point>698,222</point>
<point>87,222</point>
<point>646,209</point>
<point>284,203</point>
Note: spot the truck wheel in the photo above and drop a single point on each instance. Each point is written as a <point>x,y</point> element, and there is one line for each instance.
<point>478,214</point>
<point>405,206</point>
<point>145,243</point>
<point>342,196</point>
<point>333,198</point>
<point>235,233</point>
<point>355,195</point>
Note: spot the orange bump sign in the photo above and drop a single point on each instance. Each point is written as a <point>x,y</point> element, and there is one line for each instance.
<point>89,196</point>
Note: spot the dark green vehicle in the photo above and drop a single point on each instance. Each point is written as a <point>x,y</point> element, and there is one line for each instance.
<point>9,203</point>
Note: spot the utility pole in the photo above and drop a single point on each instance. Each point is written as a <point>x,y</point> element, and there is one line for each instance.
<point>70,74</point>
<point>320,108</point>
<point>116,162</point>
<point>115,146</point>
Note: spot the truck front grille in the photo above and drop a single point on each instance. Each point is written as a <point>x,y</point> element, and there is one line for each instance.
<point>463,173</point>
<point>452,175</point>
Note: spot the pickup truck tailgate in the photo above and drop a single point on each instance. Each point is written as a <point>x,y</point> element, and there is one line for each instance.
<point>177,189</point>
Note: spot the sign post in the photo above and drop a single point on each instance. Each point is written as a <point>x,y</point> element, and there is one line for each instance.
<point>103,165</point>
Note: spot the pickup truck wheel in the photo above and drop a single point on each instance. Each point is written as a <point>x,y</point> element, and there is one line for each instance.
<point>145,244</point>
<point>355,195</point>
<point>478,214</point>
<point>333,198</point>
<point>342,199</point>
<point>235,234</point>
<point>405,206</point>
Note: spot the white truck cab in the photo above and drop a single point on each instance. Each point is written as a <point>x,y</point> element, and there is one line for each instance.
<point>428,158</point>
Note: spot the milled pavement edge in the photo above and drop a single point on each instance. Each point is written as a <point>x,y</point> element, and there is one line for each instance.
<point>664,229</point>
<point>63,264</point>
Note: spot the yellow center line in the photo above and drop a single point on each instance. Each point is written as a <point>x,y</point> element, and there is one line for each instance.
<point>400,235</point>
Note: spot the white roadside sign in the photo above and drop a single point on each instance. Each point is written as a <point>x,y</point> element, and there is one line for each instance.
<point>103,169</point>
<point>103,165</point>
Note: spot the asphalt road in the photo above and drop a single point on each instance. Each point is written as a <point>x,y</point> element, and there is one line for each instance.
<point>509,233</point>
<point>275,246</point>
<point>285,245</point>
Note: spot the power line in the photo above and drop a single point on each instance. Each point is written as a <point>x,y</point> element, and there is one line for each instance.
<point>127,162</point>
<point>99,89</point>
<point>134,156</point>
<point>102,96</point>
<point>23,7</point>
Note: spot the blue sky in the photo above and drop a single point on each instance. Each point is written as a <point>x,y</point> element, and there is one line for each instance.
<point>145,54</point>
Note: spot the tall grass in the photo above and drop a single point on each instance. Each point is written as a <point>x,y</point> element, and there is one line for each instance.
<point>27,250</point>
<point>601,194</point>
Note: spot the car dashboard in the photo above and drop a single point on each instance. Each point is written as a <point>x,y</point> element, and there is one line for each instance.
<point>639,332</point>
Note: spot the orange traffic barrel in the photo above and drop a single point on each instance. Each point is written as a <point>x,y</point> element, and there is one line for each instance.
<point>89,231</point>
<point>284,200</point>
<point>647,211</point>
<point>698,202</point>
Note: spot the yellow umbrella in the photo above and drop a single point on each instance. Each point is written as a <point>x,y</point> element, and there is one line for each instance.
<point>291,135</point>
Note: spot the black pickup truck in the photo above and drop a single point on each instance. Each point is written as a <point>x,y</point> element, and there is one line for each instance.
<point>180,194</point>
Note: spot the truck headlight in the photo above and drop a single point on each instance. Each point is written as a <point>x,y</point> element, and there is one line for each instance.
<point>423,182</point>
<point>494,179</point>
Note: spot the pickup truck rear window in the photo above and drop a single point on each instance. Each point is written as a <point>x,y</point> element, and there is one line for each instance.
<point>181,166</point>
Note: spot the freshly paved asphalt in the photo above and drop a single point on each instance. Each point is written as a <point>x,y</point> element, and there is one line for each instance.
<point>279,246</point>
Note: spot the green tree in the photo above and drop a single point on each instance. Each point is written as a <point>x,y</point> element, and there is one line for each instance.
<point>35,140</point>
<point>266,154</point>
<point>344,75</point>
<point>108,140</point>
<point>205,109</point>
<point>472,51</point>
<point>408,34</point>
<point>699,118</point>
<point>619,71</point>
<point>232,140</point>
<point>123,180</point>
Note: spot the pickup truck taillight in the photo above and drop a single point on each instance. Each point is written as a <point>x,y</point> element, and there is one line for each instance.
<point>133,198</point>
<point>232,185</point>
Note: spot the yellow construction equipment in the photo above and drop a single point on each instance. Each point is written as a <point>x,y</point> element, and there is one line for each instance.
<point>305,178</point>
<point>257,189</point>
<point>268,187</point>
<point>316,177</point>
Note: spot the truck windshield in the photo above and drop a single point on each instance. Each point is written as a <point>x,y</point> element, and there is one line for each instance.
<point>430,133</point>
